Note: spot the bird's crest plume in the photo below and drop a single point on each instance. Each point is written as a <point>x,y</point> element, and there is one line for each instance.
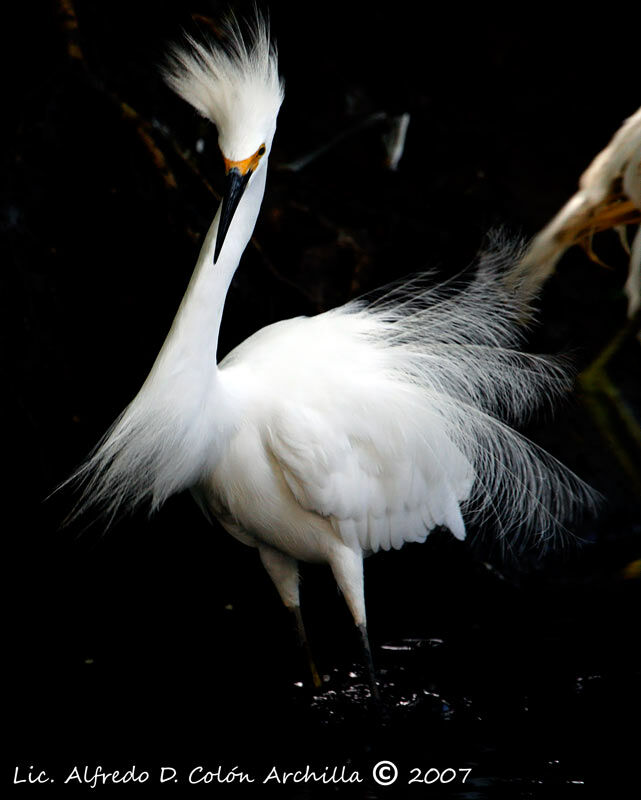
<point>234,83</point>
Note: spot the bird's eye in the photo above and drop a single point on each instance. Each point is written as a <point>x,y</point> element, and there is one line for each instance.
<point>261,150</point>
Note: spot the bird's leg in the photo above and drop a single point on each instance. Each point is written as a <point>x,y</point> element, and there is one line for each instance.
<point>369,661</point>
<point>347,567</point>
<point>283,570</point>
<point>302,640</point>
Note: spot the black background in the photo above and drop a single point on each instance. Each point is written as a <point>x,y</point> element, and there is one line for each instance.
<point>163,642</point>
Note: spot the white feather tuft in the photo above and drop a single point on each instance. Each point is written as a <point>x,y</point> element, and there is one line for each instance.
<point>159,445</point>
<point>235,84</point>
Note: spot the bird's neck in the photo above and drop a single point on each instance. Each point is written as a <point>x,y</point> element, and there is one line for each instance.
<point>194,333</point>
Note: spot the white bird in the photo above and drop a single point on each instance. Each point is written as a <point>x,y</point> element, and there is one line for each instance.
<point>326,438</point>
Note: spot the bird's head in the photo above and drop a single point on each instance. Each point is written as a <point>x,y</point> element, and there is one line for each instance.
<point>236,85</point>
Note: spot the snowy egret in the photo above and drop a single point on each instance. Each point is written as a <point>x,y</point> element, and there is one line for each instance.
<point>327,438</point>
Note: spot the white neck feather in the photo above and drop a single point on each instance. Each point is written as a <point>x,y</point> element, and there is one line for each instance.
<point>193,338</point>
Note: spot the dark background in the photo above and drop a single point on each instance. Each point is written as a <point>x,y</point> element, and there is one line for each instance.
<point>162,642</point>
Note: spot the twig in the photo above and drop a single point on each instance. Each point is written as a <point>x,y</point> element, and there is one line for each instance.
<point>603,399</point>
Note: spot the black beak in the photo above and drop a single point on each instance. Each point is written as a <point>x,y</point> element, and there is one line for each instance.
<point>234,188</point>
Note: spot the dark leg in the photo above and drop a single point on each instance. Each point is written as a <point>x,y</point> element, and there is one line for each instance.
<point>283,571</point>
<point>302,640</point>
<point>369,662</point>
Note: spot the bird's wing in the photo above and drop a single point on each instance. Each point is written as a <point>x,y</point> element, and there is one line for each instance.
<point>381,480</point>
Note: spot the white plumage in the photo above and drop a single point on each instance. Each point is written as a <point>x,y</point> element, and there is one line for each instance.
<point>326,438</point>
